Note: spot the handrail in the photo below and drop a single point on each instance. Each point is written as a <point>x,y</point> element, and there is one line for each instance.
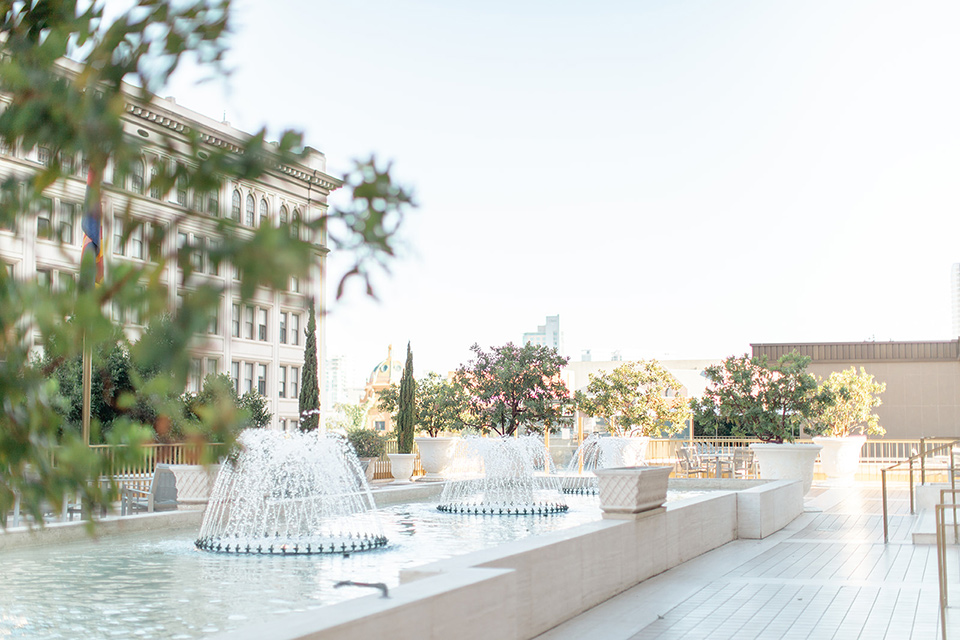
<point>939,512</point>
<point>922,455</point>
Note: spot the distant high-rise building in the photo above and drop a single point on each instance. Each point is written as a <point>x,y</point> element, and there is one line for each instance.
<point>955,296</point>
<point>546,335</point>
<point>586,355</point>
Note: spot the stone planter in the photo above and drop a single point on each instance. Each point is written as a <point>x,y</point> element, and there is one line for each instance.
<point>369,467</point>
<point>840,457</point>
<point>436,454</point>
<point>401,465</point>
<point>787,461</point>
<point>625,491</point>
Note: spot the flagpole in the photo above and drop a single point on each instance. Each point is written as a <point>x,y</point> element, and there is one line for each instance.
<point>87,384</point>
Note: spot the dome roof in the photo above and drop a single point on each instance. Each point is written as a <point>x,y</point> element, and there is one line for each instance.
<point>386,372</point>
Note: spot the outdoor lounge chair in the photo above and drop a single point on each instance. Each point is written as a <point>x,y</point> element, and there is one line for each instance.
<point>689,463</point>
<point>162,495</point>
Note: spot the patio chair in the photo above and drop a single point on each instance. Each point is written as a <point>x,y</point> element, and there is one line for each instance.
<point>744,463</point>
<point>162,495</point>
<point>689,463</point>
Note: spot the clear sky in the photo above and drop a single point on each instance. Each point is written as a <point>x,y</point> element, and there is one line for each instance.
<point>675,178</point>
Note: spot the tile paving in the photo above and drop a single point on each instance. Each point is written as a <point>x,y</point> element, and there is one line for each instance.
<point>827,575</point>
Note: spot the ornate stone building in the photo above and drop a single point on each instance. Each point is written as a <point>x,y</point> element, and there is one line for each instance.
<point>259,343</point>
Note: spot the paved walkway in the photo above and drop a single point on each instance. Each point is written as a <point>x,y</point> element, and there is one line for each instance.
<point>827,575</point>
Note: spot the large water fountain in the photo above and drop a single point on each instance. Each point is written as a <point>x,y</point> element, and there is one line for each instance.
<point>502,476</point>
<point>289,494</point>
<point>601,452</point>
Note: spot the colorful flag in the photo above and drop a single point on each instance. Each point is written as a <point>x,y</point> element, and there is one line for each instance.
<point>92,229</point>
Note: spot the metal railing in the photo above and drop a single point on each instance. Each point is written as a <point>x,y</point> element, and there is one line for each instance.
<point>940,511</point>
<point>920,456</point>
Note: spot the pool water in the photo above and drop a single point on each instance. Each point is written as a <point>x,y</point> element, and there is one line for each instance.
<point>160,586</point>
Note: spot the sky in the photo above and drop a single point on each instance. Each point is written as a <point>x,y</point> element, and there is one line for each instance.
<point>675,179</point>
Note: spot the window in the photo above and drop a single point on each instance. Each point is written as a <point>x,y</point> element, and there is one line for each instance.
<point>251,209</point>
<point>294,425</point>
<point>155,234</point>
<point>283,424</point>
<point>45,218</point>
<point>119,247</point>
<point>213,266</point>
<point>118,178</point>
<point>43,278</point>
<point>196,258</point>
<point>294,284</point>
<point>283,327</point>
<point>262,325</point>
<point>213,326</point>
<point>294,382</point>
<point>235,375</point>
<point>380,425</point>
<point>155,181</point>
<point>136,242</point>
<point>65,281</point>
<point>213,366</point>
<point>193,383</point>
<point>282,382</point>
<point>235,206</point>
<point>264,212</point>
<point>182,241</point>
<point>295,328</point>
<point>136,177</point>
<point>68,218</point>
<point>181,188</point>
<point>248,324</point>
<point>295,226</point>
<point>283,216</point>
<point>43,156</point>
<point>66,164</point>
<point>262,379</point>
<point>198,202</point>
<point>247,377</point>
<point>213,203</point>
<point>235,331</point>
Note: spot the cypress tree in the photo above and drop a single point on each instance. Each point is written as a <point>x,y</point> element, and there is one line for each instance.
<point>309,385</point>
<point>406,407</point>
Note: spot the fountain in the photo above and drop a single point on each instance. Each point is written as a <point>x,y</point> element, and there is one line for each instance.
<point>290,494</point>
<point>502,476</point>
<point>601,452</point>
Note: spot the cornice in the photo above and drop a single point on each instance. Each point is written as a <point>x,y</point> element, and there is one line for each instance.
<point>311,177</point>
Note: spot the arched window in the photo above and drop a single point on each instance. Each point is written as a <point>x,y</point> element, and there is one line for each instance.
<point>251,210</point>
<point>235,206</point>
<point>155,181</point>
<point>136,176</point>
<point>264,212</point>
<point>283,216</point>
<point>295,224</point>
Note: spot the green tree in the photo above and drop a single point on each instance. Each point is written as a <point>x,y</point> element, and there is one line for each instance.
<point>309,383</point>
<point>761,399</point>
<point>406,407</point>
<point>635,396</point>
<point>510,387</point>
<point>350,416</point>
<point>217,402</point>
<point>852,398</point>
<point>441,404</point>
<point>77,110</point>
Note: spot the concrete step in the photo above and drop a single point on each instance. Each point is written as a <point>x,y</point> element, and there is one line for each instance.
<point>925,531</point>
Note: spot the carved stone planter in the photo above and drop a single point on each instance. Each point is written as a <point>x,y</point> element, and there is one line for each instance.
<point>401,465</point>
<point>787,461</point>
<point>840,457</point>
<point>626,491</point>
<point>435,455</point>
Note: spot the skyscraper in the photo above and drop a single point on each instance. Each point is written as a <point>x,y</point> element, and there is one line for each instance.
<point>547,335</point>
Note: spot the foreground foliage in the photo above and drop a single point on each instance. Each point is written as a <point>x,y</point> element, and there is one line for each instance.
<point>75,112</point>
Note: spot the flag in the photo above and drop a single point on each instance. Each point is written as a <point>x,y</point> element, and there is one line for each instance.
<point>92,228</point>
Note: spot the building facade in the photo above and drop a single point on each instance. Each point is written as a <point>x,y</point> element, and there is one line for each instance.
<point>258,342</point>
<point>922,397</point>
<point>546,335</point>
